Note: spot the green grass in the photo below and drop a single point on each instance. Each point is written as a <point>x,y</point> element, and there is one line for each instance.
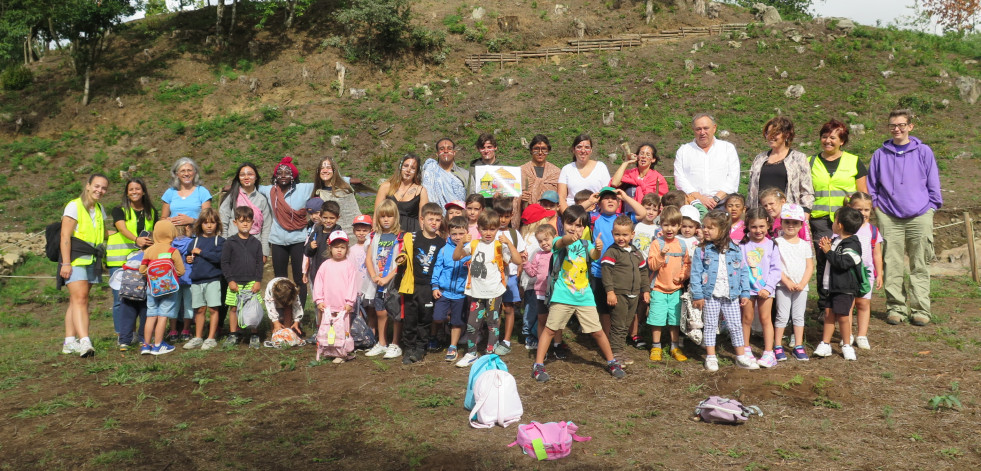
<point>43,408</point>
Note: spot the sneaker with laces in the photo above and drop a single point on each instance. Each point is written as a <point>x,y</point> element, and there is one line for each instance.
<point>172,336</point>
<point>538,372</point>
<point>123,347</point>
<point>68,348</point>
<point>393,351</point>
<point>85,349</point>
<point>823,350</point>
<point>146,349</point>
<point>255,342</point>
<point>800,353</point>
<point>767,360</point>
<point>185,335</point>
<point>561,351</point>
<point>747,361</point>
<point>208,344</point>
<point>863,343</point>
<point>451,354</point>
<point>639,343</point>
<point>677,355</point>
<point>376,350</point>
<point>712,364</point>
<point>467,359</point>
<point>779,354</point>
<point>531,343</point>
<point>848,352</point>
<point>615,369</point>
<point>749,353</point>
<point>231,340</point>
<point>656,354</point>
<point>501,349</point>
<point>162,349</point>
<point>433,346</point>
<point>196,342</point>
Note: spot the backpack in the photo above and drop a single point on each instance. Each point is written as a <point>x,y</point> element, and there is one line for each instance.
<point>52,241</point>
<point>862,275</point>
<point>250,309</point>
<point>691,319</point>
<point>554,268</point>
<point>722,410</point>
<point>132,285</point>
<point>484,363</point>
<point>161,279</point>
<point>659,242</point>
<point>363,337</point>
<point>285,337</point>
<point>549,441</point>
<point>497,400</point>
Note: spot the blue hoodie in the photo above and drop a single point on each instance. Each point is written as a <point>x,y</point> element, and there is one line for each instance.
<point>207,264</point>
<point>450,276</point>
<point>183,245</point>
<point>904,184</point>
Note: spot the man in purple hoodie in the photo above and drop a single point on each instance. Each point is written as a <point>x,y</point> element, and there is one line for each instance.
<point>905,187</point>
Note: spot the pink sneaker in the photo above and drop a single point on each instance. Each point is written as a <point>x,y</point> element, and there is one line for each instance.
<point>768,359</point>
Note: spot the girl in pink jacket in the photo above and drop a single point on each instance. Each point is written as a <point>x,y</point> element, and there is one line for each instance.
<point>335,291</point>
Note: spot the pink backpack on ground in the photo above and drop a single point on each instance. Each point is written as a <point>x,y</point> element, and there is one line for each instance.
<point>549,441</point>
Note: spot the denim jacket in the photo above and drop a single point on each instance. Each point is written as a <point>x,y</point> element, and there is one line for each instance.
<point>705,268</point>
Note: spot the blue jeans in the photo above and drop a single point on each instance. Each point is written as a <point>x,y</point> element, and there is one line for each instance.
<point>129,311</point>
<point>530,324</point>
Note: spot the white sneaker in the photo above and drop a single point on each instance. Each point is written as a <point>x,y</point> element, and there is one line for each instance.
<point>393,351</point>
<point>712,364</point>
<point>823,350</point>
<point>196,342</point>
<point>863,343</point>
<point>68,348</point>
<point>848,352</point>
<point>209,344</point>
<point>748,362</point>
<point>467,360</point>
<point>851,342</point>
<point>84,348</point>
<point>378,349</point>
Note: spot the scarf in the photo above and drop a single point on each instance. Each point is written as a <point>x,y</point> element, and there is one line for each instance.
<point>243,200</point>
<point>287,217</point>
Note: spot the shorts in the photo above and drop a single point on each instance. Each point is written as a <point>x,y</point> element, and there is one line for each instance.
<point>84,273</point>
<point>559,315</point>
<point>389,301</point>
<point>231,297</point>
<point>162,306</point>
<point>512,294</point>
<point>452,309</point>
<point>206,294</point>
<point>185,310</point>
<point>840,303</point>
<point>599,294</point>
<point>665,309</point>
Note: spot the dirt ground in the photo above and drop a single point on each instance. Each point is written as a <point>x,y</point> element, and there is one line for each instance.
<point>272,409</point>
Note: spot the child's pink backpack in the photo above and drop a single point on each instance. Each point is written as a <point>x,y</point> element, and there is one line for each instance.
<point>722,410</point>
<point>549,441</point>
<point>333,334</point>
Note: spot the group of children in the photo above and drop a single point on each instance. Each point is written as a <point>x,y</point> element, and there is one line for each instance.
<point>612,262</point>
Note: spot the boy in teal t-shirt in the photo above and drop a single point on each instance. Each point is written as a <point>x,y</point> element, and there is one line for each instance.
<point>571,293</point>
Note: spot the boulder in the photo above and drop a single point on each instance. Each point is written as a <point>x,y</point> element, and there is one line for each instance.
<point>713,10</point>
<point>478,13</point>
<point>766,13</point>
<point>794,91</point>
<point>888,73</point>
<point>969,88</point>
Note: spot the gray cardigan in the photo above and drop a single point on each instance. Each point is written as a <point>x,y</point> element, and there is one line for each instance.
<point>349,208</point>
<point>227,216</point>
<point>800,190</point>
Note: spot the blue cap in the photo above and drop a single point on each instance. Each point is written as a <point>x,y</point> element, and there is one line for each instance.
<point>550,195</point>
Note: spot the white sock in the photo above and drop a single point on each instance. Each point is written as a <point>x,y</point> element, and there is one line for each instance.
<point>84,339</point>
<point>709,357</point>
<point>69,339</point>
<point>507,343</point>
<point>674,345</point>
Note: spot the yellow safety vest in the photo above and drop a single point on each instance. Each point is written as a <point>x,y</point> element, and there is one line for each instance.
<point>119,246</point>
<point>88,230</point>
<point>830,190</point>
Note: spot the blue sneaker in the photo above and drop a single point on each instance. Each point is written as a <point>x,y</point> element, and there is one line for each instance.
<point>778,352</point>
<point>800,354</point>
<point>433,346</point>
<point>162,349</point>
<point>531,343</point>
<point>146,349</point>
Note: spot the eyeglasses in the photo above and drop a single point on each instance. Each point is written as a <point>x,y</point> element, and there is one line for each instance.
<point>539,151</point>
<point>900,126</point>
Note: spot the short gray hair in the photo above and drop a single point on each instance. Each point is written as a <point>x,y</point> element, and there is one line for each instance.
<point>175,182</point>
<point>702,115</point>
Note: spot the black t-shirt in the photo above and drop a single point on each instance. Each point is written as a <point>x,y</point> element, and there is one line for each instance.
<point>118,214</point>
<point>539,171</point>
<point>424,256</point>
<point>774,175</point>
<point>832,166</point>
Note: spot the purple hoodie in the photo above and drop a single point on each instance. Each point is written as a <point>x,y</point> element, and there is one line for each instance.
<point>906,184</point>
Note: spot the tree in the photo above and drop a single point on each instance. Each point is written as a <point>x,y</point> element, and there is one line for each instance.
<point>86,24</point>
<point>954,15</point>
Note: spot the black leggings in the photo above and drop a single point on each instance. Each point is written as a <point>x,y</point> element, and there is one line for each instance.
<point>284,255</point>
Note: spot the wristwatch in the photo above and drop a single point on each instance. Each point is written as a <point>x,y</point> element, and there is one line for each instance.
<point>716,198</point>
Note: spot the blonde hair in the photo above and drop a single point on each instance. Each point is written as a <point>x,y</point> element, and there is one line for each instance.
<point>386,208</point>
<point>774,192</point>
<point>533,227</point>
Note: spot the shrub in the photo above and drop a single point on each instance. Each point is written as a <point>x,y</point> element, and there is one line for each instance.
<point>381,29</point>
<point>16,77</point>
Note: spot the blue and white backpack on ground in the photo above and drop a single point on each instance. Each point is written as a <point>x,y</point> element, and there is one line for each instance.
<point>484,363</point>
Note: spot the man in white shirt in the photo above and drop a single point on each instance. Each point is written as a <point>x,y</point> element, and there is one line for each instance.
<point>707,169</point>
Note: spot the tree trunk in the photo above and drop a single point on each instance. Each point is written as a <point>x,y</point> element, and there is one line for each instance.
<point>290,11</point>
<point>231,27</point>
<point>51,29</point>
<point>220,9</point>
<point>85,96</point>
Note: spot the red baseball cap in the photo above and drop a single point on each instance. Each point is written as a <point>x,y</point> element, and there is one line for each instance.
<point>457,203</point>
<point>534,213</point>
<point>362,219</point>
<point>336,236</point>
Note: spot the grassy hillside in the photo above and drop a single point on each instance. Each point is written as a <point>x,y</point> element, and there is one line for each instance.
<point>167,91</point>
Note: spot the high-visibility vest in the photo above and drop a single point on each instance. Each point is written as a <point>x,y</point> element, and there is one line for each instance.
<point>119,246</point>
<point>830,190</point>
<point>92,231</point>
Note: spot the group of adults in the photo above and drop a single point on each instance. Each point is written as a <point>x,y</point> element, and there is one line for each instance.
<point>902,179</point>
